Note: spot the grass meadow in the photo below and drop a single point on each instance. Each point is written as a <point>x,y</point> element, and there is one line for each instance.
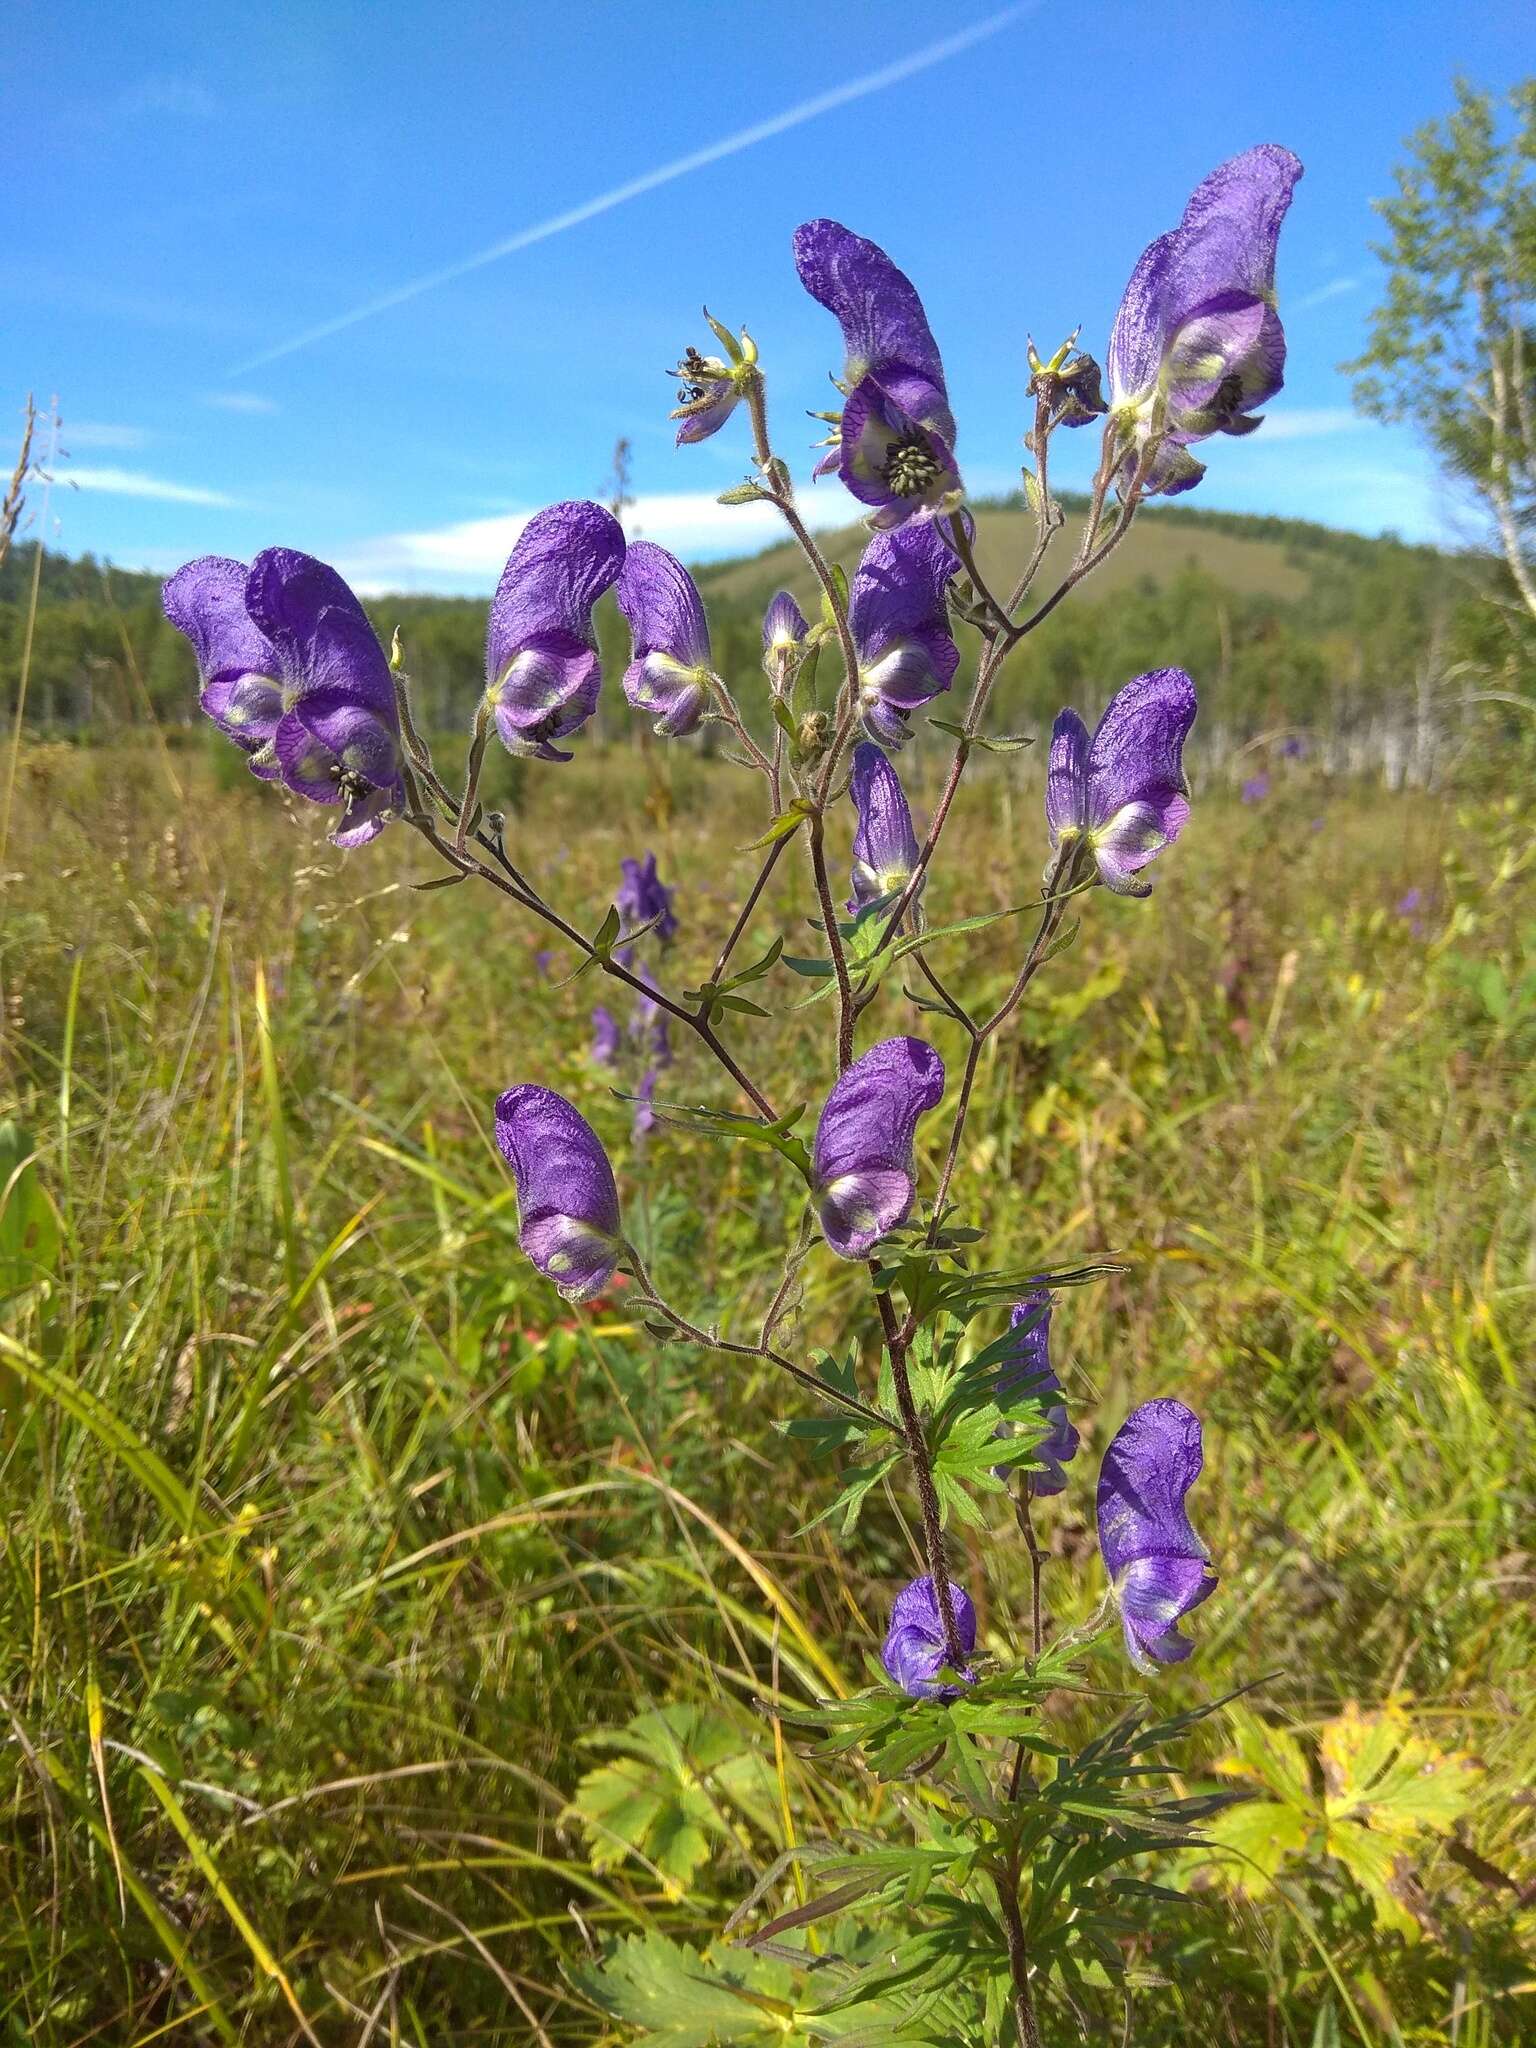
<point>342,1563</point>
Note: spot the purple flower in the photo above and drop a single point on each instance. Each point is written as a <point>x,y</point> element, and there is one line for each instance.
<point>1158,1569</point>
<point>899,621</point>
<point>294,674</point>
<point>885,846</point>
<point>1294,747</point>
<point>1256,788</point>
<point>896,438</point>
<point>1027,1373</point>
<point>1124,791</point>
<point>913,1652</point>
<point>645,1118</point>
<point>541,662</point>
<point>242,688</point>
<point>711,387</point>
<point>1409,904</point>
<point>784,631</point>
<point>669,672</point>
<point>1197,343</point>
<point>648,1028</point>
<point>643,896</point>
<point>567,1203</point>
<point>605,1036</point>
<point>338,740</point>
<point>862,1160</point>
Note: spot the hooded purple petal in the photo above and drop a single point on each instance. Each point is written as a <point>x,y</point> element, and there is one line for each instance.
<point>299,602</point>
<point>913,1652</point>
<point>1197,322</point>
<point>1126,791</point>
<point>237,665</point>
<point>568,1205</point>
<point>899,621</point>
<point>541,652</point>
<point>876,305</point>
<point>784,625</point>
<point>1027,1373</point>
<point>669,670</point>
<point>862,1160</point>
<point>1158,1568</point>
<point>885,845</point>
<point>605,1036</point>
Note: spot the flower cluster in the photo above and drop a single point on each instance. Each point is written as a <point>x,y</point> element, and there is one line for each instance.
<point>644,904</point>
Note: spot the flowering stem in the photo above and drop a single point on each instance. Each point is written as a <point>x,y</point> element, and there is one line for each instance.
<point>845,1010</point>
<point>960,541</point>
<point>472,768</point>
<point>922,1472</point>
<point>747,908</point>
<point>1036,1564</point>
<point>1007,1883</point>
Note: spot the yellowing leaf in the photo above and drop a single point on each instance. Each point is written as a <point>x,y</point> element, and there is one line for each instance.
<point>1379,1770</point>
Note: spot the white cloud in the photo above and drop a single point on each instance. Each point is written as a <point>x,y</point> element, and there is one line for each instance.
<point>100,434</point>
<point>1334,289</point>
<point>132,483</point>
<point>240,401</point>
<point>1310,423</point>
<point>473,552</point>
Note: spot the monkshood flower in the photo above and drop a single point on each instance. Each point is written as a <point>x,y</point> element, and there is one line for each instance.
<point>567,1203</point>
<point>862,1161</point>
<point>1123,792</point>
<point>1197,343</point>
<point>1256,788</point>
<point>242,687</point>
<point>895,440</point>
<point>669,672</point>
<point>784,631</point>
<point>913,1652</point>
<point>1027,1372</point>
<point>899,623</point>
<point>885,846</point>
<point>644,897</point>
<point>606,1037</point>
<point>1158,1568</point>
<point>541,662</point>
<point>645,1118</point>
<point>710,388</point>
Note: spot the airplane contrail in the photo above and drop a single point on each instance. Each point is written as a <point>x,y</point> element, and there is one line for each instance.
<point>730,145</point>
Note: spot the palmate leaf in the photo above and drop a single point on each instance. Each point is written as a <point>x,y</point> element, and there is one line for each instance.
<point>1259,1837</point>
<point>684,1780</point>
<point>1379,1770</point>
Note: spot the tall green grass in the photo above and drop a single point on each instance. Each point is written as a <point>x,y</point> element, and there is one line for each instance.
<point>333,1543</point>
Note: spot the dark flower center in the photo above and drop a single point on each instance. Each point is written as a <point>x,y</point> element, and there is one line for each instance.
<point>910,466</point>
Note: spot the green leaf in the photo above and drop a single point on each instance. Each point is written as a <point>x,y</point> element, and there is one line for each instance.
<point>790,819</point>
<point>29,1227</point>
<point>746,493</point>
<point>990,743</point>
<point>1259,1837</point>
<point>679,1998</point>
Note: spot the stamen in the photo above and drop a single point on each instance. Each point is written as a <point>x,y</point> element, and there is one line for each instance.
<point>910,466</point>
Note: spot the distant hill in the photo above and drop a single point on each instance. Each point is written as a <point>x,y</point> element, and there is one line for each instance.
<point>1281,621</point>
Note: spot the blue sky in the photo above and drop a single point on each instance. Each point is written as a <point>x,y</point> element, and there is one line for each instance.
<point>194,187</point>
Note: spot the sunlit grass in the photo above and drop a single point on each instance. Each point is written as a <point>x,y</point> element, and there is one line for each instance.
<point>330,1535</point>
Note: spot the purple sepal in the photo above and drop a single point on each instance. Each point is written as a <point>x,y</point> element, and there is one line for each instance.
<point>1158,1568</point>
<point>784,625</point>
<point>605,1036</point>
<point>1124,791</point>
<point>862,1160</point>
<point>668,673</point>
<point>913,1652</point>
<point>237,665</point>
<point>899,621</point>
<point>643,896</point>
<point>891,458</point>
<point>568,1204</point>
<point>709,414</point>
<point>1026,1373</point>
<point>885,845</point>
<point>541,665</point>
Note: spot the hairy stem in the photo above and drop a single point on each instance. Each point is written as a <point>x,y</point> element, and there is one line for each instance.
<point>922,1473</point>
<point>1007,1882</point>
<point>845,1009</point>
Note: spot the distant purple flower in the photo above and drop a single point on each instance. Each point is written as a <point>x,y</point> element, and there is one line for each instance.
<point>885,845</point>
<point>645,1118</point>
<point>1294,747</point>
<point>338,740</point>
<point>862,1160</point>
<point>1027,1373</point>
<point>913,1652</point>
<point>1256,788</point>
<point>899,622</point>
<point>643,896</point>
<point>541,663</point>
<point>543,961</point>
<point>1409,904</point>
<point>605,1036</point>
<point>1197,333</point>
<point>242,685</point>
<point>669,673</point>
<point>1158,1568</point>
<point>567,1203</point>
<point>784,631</point>
<point>896,438</point>
<point>1124,791</point>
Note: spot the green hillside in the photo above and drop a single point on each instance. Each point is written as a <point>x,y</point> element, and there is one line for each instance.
<point>1280,621</point>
